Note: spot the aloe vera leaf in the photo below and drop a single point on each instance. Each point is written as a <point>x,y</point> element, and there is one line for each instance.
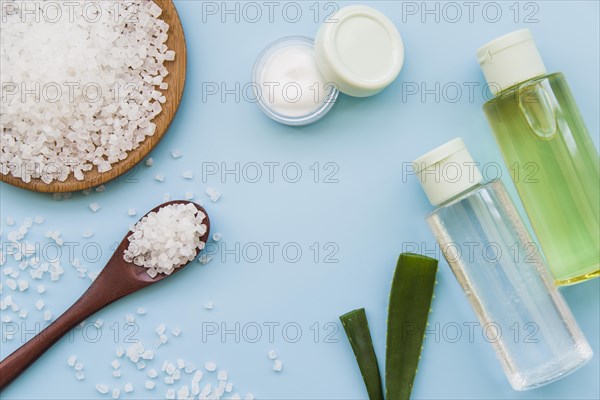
<point>357,329</point>
<point>410,303</point>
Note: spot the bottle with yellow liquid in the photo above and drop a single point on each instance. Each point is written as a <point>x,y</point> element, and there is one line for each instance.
<point>549,152</point>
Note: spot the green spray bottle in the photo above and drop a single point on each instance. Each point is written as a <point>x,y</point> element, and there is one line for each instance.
<point>549,152</point>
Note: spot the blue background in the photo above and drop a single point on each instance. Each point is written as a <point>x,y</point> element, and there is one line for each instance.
<point>370,215</point>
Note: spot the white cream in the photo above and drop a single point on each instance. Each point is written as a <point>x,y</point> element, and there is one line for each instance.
<point>291,83</point>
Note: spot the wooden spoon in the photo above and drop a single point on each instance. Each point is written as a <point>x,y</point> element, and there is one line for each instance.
<point>117,279</point>
<point>176,80</point>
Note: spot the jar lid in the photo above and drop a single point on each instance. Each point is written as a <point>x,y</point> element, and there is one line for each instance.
<point>360,50</point>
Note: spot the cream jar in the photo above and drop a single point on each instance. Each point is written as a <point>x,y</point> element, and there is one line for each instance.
<point>359,53</point>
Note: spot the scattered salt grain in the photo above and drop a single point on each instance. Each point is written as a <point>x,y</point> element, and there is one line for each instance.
<point>94,207</point>
<point>229,387</point>
<point>101,388</point>
<point>216,237</point>
<point>80,375</point>
<point>39,304</point>
<point>6,318</point>
<point>71,360</point>
<point>141,311</point>
<point>249,396</point>
<point>10,221</point>
<point>87,234</point>
<point>100,188</point>
<point>152,373</point>
<point>170,394</point>
<point>209,306</point>
<point>119,352</point>
<point>129,318</point>
<point>115,364</point>
<point>222,375</point>
<point>188,174</point>
<point>160,329</point>
<point>176,331</point>
<point>98,324</point>
<point>141,365</point>
<point>166,197</point>
<point>272,355</point>
<point>214,194</point>
<point>277,366</point>
<point>149,161</point>
<point>204,259</point>
<point>210,366</point>
<point>78,366</point>
<point>180,363</point>
<point>165,240</point>
<point>116,393</point>
<point>197,376</point>
<point>47,315</point>
<point>188,196</point>
<point>128,388</point>
<point>131,212</point>
<point>150,385</point>
<point>176,153</point>
<point>41,289</point>
<point>159,177</point>
<point>117,373</point>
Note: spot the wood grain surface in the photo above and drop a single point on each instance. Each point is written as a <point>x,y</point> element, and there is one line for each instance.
<point>175,79</point>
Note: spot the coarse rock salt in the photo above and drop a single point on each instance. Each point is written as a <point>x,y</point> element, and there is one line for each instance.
<point>131,212</point>
<point>101,388</point>
<point>188,175</point>
<point>95,207</point>
<point>95,103</point>
<point>149,162</point>
<point>210,366</point>
<point>277,366</point>
<point>165,240</point>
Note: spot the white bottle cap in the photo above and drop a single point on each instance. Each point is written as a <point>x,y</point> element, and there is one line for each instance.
<point>360,50</point>
<point>447,171</point>
<point>510,59</point>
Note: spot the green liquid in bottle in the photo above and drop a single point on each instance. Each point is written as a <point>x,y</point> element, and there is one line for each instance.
<point>555,167</point>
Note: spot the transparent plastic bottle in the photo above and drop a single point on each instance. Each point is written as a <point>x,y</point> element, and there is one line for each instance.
<point>549,152</point>
<point>498,266</point>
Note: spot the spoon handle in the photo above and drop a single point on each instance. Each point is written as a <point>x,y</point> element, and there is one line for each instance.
<point>96,297</point>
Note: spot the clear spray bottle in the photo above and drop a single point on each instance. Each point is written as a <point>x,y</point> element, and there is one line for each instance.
<point>496,262</point>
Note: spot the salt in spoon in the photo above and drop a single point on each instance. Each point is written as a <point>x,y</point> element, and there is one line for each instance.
<point>118,279</point>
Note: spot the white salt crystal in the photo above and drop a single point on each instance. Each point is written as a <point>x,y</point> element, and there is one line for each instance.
<point>80,375</point>
<point>39,304</point>
<point>216,237</point>
<point>94,207</point>
<point>180,363</point>
<point>210,366</point>
<point>10,221</point>
<point>277,366</point>
<point>150,385</point>
<point>115,364</point>
<point>170,394</point>
<point>176,331</point>
<point>209,306</point>
<point>116,393</point>
<point>87,233</point>
<point>128,388</point>
<point>222,375</point>
<point>141,311</point>
<point>119,352</point>
<point>98,324</point>
<point>188,174</point>
<point>149,161</point>
<point>78,366</point>
<point>176,153</point>
<point>47,315</point>
<point>272,355</point>
<point>188,196</point>
<point>100,188</point>
<point>41,289</point>
<point>71,360</point>
<point>101,388</point>
<point>152,373</point>
<point>129,318</point>
<point>131,212</point>
<point>39,219</point>
<point>117,373</point>
<point>159,177</point>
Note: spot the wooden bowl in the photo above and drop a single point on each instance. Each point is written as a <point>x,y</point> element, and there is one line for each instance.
<point>176,81</point>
